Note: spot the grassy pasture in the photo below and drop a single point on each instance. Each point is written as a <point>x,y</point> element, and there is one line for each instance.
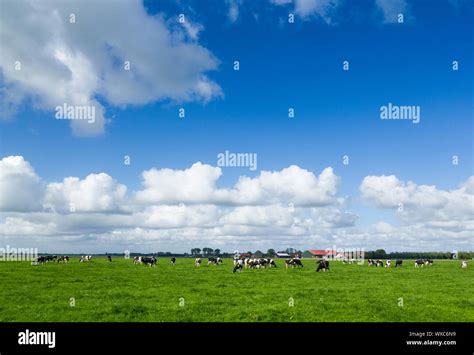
<point>120,291</point>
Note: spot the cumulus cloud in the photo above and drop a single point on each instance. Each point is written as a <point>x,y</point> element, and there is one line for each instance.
<point>419,202</point>
<point>180,209</point>
<point>198,185</point>
<point>20,187</point>
<point>193,185</point>
<point>96,193</point>
<point>83,63</point>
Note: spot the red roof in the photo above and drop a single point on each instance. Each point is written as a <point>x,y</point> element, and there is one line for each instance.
<point>323,252</point>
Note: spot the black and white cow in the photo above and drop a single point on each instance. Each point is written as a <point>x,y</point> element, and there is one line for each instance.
<point>85,258</point>
<point>398,263</point>
<point>149,260</point>
<point>48,258</point>
<point>293,263</point>
<point>40,260</point>
<point>253,263</point>
<point>214,261</point>
<point>137,259</point>
<point>322,265</point>
<point>419,263</point>
<point>239,265</point>
<point>271,263</point>
<point>197,262</point>
<point>173,261</point>
<point>388,263</point>
<point>428,262</point>
<point>64,259</point>
<point>236,258</point>
<point>379,263</point>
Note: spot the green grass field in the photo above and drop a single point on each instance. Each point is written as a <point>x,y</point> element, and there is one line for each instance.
<point>120,291</point>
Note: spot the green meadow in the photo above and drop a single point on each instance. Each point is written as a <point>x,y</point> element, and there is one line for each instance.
<point>120,291</point>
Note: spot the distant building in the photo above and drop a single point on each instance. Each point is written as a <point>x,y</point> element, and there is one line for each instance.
<point>282,254</point>
<point>319,254</point>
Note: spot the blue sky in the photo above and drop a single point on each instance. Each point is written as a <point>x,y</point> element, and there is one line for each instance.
<point>283,65</point>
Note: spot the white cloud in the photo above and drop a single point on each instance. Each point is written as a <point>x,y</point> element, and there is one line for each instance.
<point>307,8</point>
<point>193,185</point>
<point>391,8</point>
<point>325,9</point>
<point>420,202</point>
<point>96,193</point>
<point>181,209</point>
<point>76,63</point>
<point>198,185</point>
<point>233,13</point>
<point>192,29</point>
<point>20,187</point>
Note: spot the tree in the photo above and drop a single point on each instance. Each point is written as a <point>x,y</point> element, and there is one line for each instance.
<point>195,251</point>
<point>217,252</point>
<point>271,252</point>
<point>380,254</point>
<point>207,251</point>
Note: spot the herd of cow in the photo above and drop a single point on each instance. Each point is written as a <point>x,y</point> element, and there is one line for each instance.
<point>240,263</point>
<point>399,263</point>
<point>50,258</point>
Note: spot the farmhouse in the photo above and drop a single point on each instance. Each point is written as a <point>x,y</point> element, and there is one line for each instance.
<point>319,254</point>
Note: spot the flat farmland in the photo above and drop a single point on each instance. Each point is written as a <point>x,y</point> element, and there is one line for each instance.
<point>120,291</point>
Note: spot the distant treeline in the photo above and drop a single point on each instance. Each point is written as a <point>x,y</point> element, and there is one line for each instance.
<point>381,254</point>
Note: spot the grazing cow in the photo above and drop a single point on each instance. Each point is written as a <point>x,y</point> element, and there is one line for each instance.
<point>149,260</point>
<point>254,263</point>
<point>40,260</point>
<point>173,261</point>
<point>388,263</point>
<point>48,258</point>
<point>428,262</point>
<point>419,263</point>
<point>236,259</point>
<point>379,263</point>
<point>85,258</point>
<point>271,263</point>
<point>370,262</point>
<point>464,264</point>
<point>293,263</point>
<point>260,263</point>
<point>110,258</point>
<point>247,263</point>
<point>323,265</point>
<point>197,262</point>
<point>64,259</point>
<point>214,261</point>
<point>398,263</point>
<point>137,259</point>
<point>238,266</point>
